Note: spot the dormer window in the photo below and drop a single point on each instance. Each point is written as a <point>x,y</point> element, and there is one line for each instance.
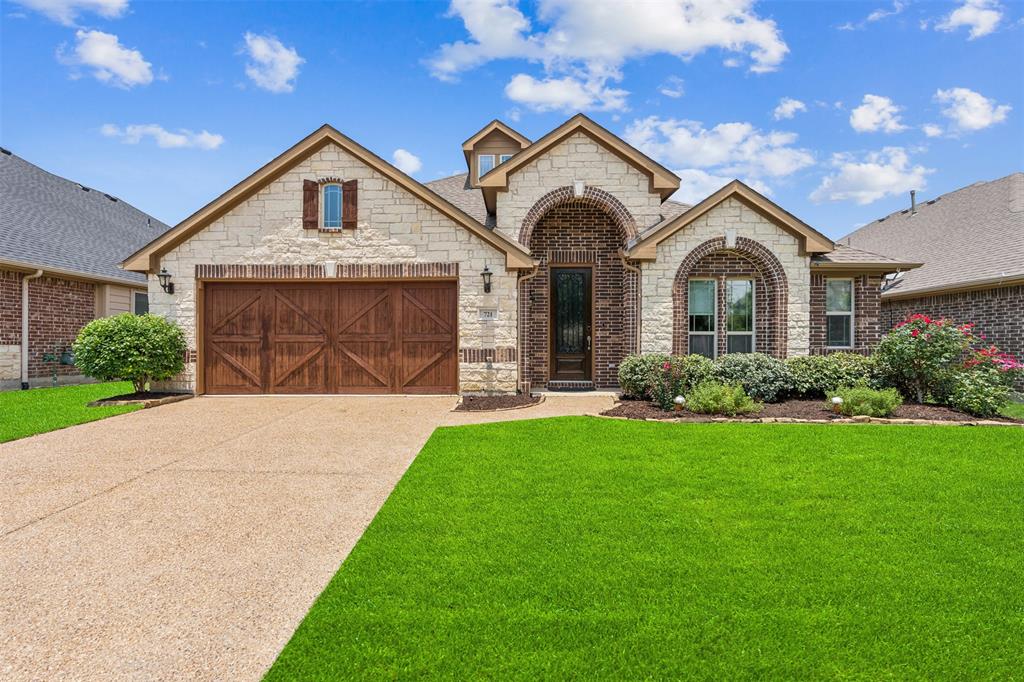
<point>484,164</point>
<point>502,158</point>
<point>331,202</point>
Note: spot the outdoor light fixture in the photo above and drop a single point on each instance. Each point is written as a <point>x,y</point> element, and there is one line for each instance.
<point>165,281</point>
<point>679,401</point>
<point>837,404</point>
<point>486,274</point>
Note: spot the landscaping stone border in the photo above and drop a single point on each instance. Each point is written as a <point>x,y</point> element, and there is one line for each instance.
<point>145,403</point>
<point>863,419</point>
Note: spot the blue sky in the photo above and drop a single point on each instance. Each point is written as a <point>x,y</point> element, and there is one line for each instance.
<point>836,109</point>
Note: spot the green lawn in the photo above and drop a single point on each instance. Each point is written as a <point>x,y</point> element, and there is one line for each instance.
<point>597,549</point>
<point>1013,410</point>
<point>24,413</point>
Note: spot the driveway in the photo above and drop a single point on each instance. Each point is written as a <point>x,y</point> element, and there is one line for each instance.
<point>188,541</point>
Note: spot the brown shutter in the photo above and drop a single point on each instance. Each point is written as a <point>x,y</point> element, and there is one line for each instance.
<point>310,204</point>
<point>349,204</point>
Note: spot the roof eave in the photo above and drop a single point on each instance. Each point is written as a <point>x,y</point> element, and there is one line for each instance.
<point>986,283</point>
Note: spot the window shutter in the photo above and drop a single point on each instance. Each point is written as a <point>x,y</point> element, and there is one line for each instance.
<point>349,204</point>
<point>310,204</point>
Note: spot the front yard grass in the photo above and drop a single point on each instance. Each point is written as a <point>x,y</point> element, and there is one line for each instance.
<point>25,413</point>
<point>596,549</point>
<point>1013,411</point>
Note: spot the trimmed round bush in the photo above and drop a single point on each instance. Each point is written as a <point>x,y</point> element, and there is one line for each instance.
<point>636,373</point>
<point>981,391</point>
<point>678,375</point>
<point>135,348</point>
<point>815,376</point>
<point>762,377</point>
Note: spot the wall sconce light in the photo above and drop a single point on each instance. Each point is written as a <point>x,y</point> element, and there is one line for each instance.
<point>486,274</point>
<point>165,281</point>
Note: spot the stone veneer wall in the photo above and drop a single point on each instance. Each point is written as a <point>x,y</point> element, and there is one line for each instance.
<point>578,233</point>
<point>578,157</point>
<point>393,227</point>
<point>659,275</point>
<point>867,324</point>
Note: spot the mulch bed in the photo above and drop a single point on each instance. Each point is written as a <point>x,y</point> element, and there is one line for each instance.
<point>793,409</point>
<point>486,403</point>
<point>145,395</point>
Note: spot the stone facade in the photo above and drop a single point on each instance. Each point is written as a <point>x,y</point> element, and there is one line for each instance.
<point>393,227</point>
<point>659,276</point>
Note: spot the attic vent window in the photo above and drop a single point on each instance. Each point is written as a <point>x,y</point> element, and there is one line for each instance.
<point>332,206</point>
<point>484,164</point>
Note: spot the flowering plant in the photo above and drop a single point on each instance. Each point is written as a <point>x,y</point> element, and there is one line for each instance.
<point>919,353</point>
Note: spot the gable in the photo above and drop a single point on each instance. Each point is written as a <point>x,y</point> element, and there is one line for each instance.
<point>145,260</point>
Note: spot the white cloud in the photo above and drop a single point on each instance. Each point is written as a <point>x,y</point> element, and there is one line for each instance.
<point>728,150</point>
<point>110,61</point>
<point>672,87</point>
<point>589,42</point>
<point>165,139</point>
<point>406,161</point>
<point>273,66</point>
<point>969,110</point>
<point>66,11</point>
<point>981,16</point>
<point>564,94</point>
<point>877,113</point>
<point>876,175</point>
<point>932,130</point>
<point>788,107</point>
<point>877,15</point>
<point>696,185</point>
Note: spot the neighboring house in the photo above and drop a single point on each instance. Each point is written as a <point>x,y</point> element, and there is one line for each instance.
<point>60,250</point>
<point>331,271</point>
<point>971,242</point>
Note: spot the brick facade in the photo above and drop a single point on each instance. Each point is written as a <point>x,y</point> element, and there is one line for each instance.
<point>579,233</point>
<point>867,325</point>
<point>748,260</point>
<point>998,313</point>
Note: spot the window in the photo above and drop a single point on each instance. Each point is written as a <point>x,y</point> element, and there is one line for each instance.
<point>504,157</point>
<point>484,163</point>
<point>140,303</point>
<point>332,206</point>
<point>739,316</point>
<point>701,310</point>
<point>839,313</point>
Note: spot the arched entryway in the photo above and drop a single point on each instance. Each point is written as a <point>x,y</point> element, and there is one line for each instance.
<point>723,271</point>
<point>578,312</point>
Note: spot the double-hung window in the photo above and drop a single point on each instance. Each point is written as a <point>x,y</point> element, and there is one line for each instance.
<point>701,309</point>
<point>739,316</point>
<point>839,313</point>
<point>484,164</point>
<point>332,206</point>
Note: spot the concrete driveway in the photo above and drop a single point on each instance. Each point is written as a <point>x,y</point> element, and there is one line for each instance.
<point>188,541</point>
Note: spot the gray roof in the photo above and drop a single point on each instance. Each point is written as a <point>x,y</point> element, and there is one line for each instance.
<point>844,254</point>
<point>971,235</point>
<point>48,221</point>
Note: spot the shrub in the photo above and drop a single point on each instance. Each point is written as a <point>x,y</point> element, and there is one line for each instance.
<point>861,400</point>
<point>677,376</point>
<point>815,376</point>
<point>135,348</point>
<point>636,373</point>
<point>918,354</point>
<point>981,390</point>
<point>712,397</point>
<point>762,377</point>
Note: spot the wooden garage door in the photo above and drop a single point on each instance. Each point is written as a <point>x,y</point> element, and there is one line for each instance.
<point>382,337</point>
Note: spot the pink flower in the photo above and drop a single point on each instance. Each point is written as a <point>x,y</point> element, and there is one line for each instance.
<point>667,366</point>
<point>915,332</point>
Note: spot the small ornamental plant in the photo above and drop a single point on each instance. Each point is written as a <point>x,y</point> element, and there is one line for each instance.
<point>918,355</point>
<point>677,376</point>
<point>135,348</point>
<point>712,397</point>
<point>861,400</point>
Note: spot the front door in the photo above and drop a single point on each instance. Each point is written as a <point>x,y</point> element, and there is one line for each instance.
<point>570,324</point>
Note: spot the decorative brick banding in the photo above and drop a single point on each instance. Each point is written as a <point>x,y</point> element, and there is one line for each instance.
<point>591,195</point>
<point>749,259</point>
<point>485,355</point>
<point>319,271</point>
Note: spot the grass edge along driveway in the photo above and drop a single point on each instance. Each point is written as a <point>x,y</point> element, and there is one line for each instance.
<point>38,410</point>
<point>589,548</point>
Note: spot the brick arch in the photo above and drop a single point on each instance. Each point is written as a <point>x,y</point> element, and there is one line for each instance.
<point>593,196</point>
<point>771,291</point>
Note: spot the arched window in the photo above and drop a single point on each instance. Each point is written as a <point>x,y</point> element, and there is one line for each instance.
<point>331,205</point>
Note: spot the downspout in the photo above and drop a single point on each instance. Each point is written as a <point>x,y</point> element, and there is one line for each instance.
<point>521,333</point>
<point>24,326</point>
<point>633,268</point>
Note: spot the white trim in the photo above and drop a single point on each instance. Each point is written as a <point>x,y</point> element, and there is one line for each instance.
<point>849,314</point>
<point>323,205</point>
<point>753,313</point>
<point>494,164</point>
<point>714,317</point>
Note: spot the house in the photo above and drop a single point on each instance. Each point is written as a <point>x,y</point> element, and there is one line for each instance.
<point>971,244</point>
<point>330,271</point>
<point>61,244</point>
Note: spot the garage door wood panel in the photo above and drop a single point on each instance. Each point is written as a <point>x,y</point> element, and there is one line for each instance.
<point>387,337</point>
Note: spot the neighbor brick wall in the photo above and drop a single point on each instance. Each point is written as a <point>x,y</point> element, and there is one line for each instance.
<point>867,323</point>
<point>10,328</point>
<point>998,313</point>
<point>579,233</point>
